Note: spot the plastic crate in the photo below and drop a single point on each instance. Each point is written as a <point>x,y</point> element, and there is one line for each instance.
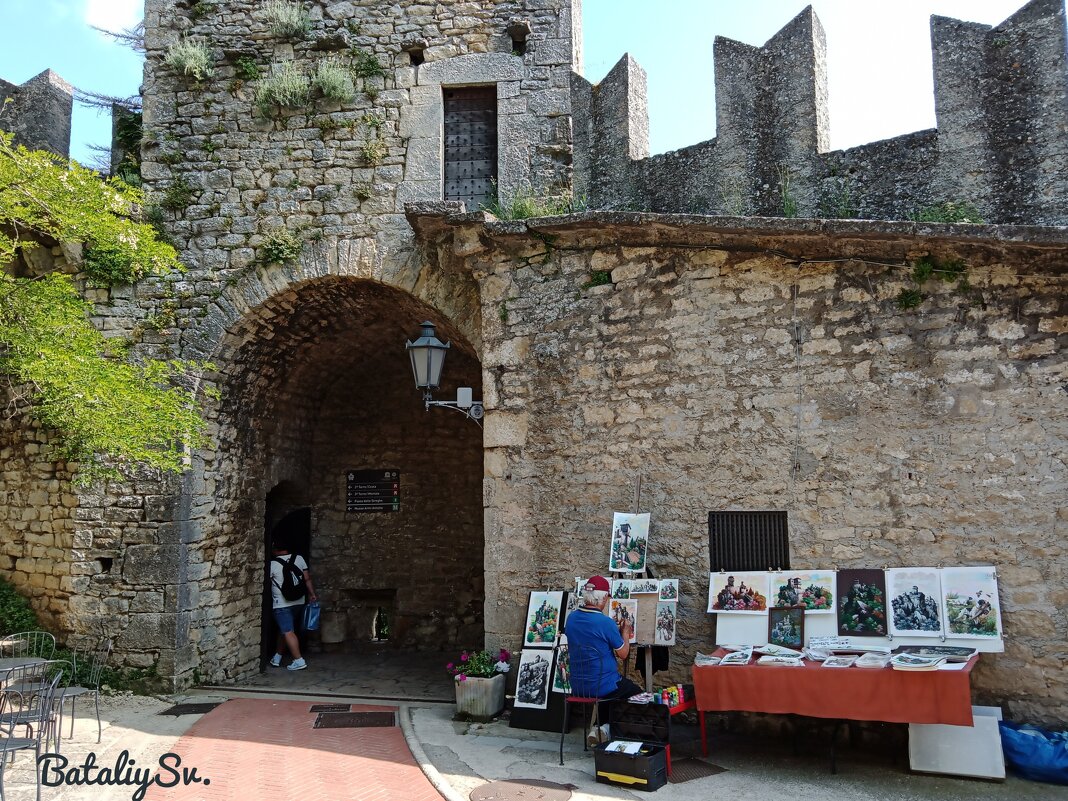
<point>646,770</point>
<point>648,723</point>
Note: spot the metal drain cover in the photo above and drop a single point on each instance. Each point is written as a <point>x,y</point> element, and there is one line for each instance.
<point>521,790</point>
<point>329,708</point>
<point>354,720</point>
<point>190,709</point>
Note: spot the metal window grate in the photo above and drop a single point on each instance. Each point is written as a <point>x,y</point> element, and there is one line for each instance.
<point>748,541</point>
<point>471,145</point>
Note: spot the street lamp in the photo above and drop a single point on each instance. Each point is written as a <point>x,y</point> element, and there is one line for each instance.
<point>428,357</point>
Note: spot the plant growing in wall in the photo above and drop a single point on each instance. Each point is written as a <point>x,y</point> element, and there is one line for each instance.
<point>948,211</point>
<point>109,413</point>
<point>247,69</point>
<point>286,87</point>
<point>178,195</point>
<point>281,246</point>
<point>366,64</point>
<point>789,202</point>
<point>373,151</point>
<point>928,269</point>
<point>287,20</point>
<point>334,80</point>
<point>190,58</point>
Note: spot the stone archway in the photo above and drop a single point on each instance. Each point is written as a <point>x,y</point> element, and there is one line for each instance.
<point>313,381</point>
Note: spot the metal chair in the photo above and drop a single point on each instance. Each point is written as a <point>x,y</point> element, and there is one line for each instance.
<point>29,682</point>
<point>92,687</point>
<point>585,674</point>
<point>27,644</point>
<point>29,710</point>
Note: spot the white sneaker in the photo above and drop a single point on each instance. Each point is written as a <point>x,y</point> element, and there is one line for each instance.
<point>276,661</point>
<point>297,664</point>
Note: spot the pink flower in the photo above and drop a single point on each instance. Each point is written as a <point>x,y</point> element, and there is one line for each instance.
<point>461,677</point>
<point>449,666</point>
<point>463,656</point>
<point>505,656</point>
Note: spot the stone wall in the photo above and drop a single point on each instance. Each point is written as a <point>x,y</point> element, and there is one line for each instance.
<point>39,112</point>
<point>1001,145</point>
<point>768,366</point>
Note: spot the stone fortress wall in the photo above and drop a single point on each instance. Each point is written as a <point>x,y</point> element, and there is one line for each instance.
<point>1000,145</point>
<point>686,362</point>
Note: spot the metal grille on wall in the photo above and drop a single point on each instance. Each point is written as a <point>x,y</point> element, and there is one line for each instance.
<point>748,541</point>
<point>471,145</point>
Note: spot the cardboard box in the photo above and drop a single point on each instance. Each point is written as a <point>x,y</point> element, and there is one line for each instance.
<point>973,751</point>
<point>646,770</point>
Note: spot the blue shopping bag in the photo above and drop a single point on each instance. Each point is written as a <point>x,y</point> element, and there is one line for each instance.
<point>1035,753</point>
<point>311,616</point>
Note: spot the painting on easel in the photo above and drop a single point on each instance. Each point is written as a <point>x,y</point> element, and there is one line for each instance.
<point>623,611</point>
<point>543,619</point>
<point>666,615</point>
<point>630,543</point>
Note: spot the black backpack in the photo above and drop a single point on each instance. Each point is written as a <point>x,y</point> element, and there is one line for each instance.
<point>292,579</point>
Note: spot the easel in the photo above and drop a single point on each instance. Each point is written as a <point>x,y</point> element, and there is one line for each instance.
<point>635,509</point>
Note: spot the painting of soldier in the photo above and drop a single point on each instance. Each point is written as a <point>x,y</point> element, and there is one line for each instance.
<point>532,682</point>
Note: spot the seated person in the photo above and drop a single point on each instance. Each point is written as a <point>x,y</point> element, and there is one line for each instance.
<point>594,642</point>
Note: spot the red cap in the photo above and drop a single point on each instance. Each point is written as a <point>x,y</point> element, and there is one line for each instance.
<point>598,583</point>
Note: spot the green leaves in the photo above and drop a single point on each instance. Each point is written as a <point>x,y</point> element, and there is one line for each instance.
<point>110,413</point>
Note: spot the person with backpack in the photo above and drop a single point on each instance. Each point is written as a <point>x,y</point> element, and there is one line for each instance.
<point>290,584</point>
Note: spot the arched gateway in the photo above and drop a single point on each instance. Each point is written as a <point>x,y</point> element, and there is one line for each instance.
<point>312,383</point>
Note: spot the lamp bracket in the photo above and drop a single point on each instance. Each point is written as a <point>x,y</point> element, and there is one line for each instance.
<point>471,409</point>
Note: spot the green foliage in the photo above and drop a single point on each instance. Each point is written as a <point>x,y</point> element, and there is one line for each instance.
<point>109,413</point>
<point>373,151</point>
<point>287,20</point>
<point>247,69</point>
<point>201,9</point>
<point>598,278</point>
<point>190,58</point>
<point>286,87</point>
<point>281,247</point>
<point>366,64</point>
<point>949,211</point>
<point>836,202</point>
<point>525,204</point>
<point>909,299</point>
<point>16,614</point>
<point>334,80</point>
<point>362,190</point>
<point>178,196</point>
<point>922,270</point>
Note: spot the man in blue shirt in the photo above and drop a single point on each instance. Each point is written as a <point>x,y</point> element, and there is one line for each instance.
<point>594,642</point>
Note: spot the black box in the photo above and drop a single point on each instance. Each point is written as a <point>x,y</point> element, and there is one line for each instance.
<point>650,723</point>
<point>641,771</point>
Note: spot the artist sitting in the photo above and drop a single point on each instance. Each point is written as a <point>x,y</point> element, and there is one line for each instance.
<point>594,642</point>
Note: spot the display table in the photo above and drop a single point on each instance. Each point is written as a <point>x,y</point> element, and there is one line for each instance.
<point>884,694</point>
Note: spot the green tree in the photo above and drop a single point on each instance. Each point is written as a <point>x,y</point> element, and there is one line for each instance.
<point>110,412</point>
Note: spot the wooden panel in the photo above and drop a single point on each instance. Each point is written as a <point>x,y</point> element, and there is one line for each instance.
<point>471,145</point>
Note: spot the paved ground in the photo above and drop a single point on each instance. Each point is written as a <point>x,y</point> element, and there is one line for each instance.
<point>263,746</point>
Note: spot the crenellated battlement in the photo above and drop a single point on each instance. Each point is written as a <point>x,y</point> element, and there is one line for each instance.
<point>1001,142</point>
<point>39,112</point>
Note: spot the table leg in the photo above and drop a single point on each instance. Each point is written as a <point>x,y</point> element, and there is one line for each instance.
<point>704,732</point>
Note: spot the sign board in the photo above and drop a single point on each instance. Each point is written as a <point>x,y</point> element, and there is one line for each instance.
<point>372,491</point>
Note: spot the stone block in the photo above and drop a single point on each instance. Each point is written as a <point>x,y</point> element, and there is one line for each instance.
<point>152,564</point>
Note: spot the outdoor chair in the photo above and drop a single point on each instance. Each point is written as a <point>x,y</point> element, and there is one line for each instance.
<point>91,687</point>
<point>28,644</point>
<point>34,712</point>
<point>583,662</point>
<point>28,682</point>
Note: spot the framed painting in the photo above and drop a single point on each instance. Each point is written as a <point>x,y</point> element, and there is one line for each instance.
<point>786,626</point>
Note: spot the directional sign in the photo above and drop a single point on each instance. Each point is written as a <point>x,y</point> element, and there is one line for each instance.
<point>372,491</point>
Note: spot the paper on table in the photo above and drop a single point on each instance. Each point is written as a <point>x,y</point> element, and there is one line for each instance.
<point>953,666</point>
<point>623,747</point>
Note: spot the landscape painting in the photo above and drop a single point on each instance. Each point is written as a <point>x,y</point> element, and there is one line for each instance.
<point>812,589</point>
<point>970,602</point>
<point>532,682</point>
<point>630,543</point>
<point>738,592</point>
<point>915,601</point>
<point>861,603</point>
<point>562,672</point>
<point>786,626</point>
<point>543,619</point>
<point>666,616</point>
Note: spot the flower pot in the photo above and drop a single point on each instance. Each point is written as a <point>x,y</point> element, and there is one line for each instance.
<point>482,699</point>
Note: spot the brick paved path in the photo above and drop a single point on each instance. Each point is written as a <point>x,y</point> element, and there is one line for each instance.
<point>253,748</point>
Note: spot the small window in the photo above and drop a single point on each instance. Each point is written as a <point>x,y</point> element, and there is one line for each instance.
<point>471,145</point>
<point>748,541</point>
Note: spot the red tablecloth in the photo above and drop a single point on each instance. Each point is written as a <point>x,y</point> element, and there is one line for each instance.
<point>895,696</point>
